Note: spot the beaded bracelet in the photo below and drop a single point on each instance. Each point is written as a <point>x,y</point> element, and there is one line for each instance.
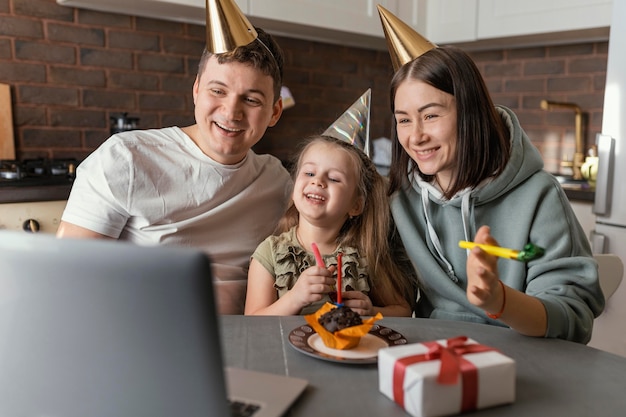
<point>499,313</point>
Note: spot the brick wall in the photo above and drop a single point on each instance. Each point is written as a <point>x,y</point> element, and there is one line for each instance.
<point>521,78</point>
<point>71,69</point>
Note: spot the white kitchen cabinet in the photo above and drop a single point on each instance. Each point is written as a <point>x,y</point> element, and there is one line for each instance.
<point>189,11</point>
<point>357,23</point>
<point>355,16</point>
<point>462,21</point>
<point>450,21</point>
<point>503,18</point>
<point>349,22</point>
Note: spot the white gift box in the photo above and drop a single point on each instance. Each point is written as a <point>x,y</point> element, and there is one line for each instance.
<point>409,375</point>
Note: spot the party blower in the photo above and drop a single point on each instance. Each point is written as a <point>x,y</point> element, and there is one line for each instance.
<point>529,252</point>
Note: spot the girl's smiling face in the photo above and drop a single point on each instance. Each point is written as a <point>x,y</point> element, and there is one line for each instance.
<point>426,123</point>
<point>325,189</point>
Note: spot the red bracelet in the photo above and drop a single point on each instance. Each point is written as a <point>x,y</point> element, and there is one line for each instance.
<point>499,313</point>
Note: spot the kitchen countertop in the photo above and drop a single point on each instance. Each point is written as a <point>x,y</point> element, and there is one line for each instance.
<point>20,194</point>
<point>580,195</point>
<point>62,191</point>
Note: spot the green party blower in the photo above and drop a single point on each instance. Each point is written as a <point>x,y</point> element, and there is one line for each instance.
<point>529,252</point>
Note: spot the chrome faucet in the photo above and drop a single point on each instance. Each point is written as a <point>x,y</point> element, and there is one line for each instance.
<point>579,155</point>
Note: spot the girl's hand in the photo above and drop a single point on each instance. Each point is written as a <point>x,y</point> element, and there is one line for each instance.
<point>358,302</point>
<point>483,287</point>
<point>312,285</point>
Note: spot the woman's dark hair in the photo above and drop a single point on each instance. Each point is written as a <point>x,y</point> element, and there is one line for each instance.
<point>483,145</point>
<point>263,54</point>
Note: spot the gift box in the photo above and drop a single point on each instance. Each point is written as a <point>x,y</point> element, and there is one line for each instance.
<point>446,377</point>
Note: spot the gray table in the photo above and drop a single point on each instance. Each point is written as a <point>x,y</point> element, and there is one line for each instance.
<point>554,377</point>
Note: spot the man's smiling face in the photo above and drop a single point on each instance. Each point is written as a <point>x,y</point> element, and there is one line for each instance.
<point>234,105</point>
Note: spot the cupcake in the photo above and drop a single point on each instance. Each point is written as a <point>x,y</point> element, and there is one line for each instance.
<point>339,318</point>
<point>339,326</point>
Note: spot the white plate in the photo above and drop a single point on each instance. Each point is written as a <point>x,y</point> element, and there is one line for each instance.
<point>307,341</point>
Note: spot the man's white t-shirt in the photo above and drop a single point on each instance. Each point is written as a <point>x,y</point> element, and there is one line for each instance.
<point>157,187</point>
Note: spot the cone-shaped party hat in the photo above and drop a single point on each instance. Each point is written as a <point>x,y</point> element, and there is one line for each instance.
<point>226,27</point>
<point>403,42</point>
<point>354,125</point>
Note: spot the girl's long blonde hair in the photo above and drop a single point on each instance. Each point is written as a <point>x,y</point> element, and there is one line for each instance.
<point>372,232</point>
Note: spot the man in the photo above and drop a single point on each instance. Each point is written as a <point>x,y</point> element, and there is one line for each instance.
<point>199,185</point>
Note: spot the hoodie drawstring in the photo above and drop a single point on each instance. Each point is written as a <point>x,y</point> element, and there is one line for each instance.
<point>465,216</point>
<point>433,236</point>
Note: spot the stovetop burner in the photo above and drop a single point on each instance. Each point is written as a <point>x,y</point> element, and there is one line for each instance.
<point>10,170</point>
<point>37,172</point>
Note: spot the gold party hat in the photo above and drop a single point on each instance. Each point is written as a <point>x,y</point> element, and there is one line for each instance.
<point>354,125</point>
<point>403,42</point>
<point>226,27</point>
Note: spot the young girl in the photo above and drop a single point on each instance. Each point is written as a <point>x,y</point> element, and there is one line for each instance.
<point>339,203</point>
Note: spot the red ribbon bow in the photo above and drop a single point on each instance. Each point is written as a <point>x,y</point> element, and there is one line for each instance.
<point>452,365</point>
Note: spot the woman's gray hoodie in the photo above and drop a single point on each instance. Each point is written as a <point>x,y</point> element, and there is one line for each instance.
<point>523,204</point>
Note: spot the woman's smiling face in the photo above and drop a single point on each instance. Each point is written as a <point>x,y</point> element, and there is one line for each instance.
<point>426,123</point>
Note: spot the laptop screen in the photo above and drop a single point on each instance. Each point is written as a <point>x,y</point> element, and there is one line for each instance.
<point>105,328</point>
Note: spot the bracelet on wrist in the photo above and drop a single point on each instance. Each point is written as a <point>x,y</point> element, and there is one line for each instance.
<point>499,313</point>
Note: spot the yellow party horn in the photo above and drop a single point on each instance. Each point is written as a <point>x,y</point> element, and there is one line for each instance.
<point>529,252</point>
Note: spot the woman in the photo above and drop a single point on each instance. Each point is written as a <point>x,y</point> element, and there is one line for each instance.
<point>463,169</point>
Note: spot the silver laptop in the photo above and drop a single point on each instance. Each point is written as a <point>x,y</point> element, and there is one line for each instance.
<point>104,328</point>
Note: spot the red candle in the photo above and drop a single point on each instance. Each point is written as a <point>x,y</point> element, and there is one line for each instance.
<point>339,255</point>
<point>318,255</point>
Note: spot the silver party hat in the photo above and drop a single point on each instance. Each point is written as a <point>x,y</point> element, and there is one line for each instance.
<point>354,125</point>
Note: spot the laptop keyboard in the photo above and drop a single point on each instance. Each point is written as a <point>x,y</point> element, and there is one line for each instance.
<point>243,409</point>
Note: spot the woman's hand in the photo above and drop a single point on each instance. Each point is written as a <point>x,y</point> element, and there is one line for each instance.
<point>522,312</point>
<point>483,287</point>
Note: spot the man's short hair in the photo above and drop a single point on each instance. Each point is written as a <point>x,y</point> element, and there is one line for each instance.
<point>263,54</point>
